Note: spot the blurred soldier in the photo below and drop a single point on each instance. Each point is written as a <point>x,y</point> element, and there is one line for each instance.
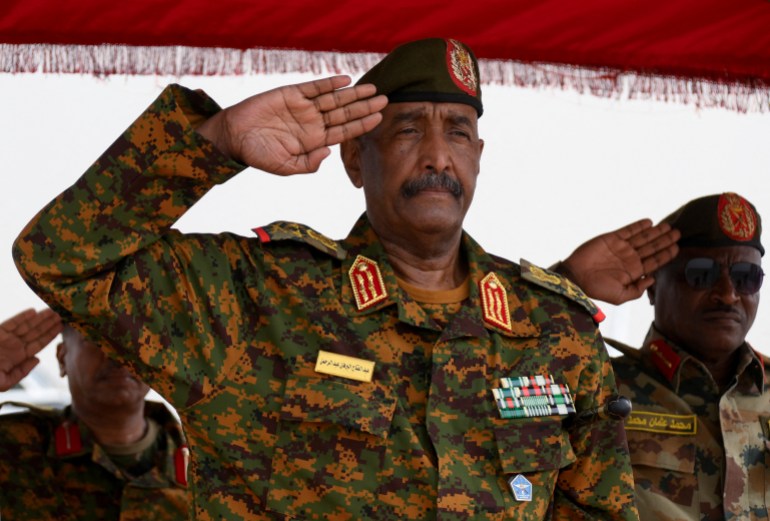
<point>400,373</point>
<point>699,433</point>
<point>108,456</point>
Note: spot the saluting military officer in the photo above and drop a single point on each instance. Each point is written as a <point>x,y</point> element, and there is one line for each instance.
<point>400,373</point>
<point>110,455</point>
<point>700,428</point>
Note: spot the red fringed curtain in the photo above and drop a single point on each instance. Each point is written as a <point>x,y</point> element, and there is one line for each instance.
<point>707,52</point>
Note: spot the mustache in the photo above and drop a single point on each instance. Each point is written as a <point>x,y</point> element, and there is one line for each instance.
<point>726,308</point>
<point>431,181</point>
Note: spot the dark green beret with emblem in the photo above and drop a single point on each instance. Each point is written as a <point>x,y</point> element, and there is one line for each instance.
<point>435,69</point>
<point>718,220</point>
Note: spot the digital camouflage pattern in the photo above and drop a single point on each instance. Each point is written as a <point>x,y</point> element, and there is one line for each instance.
<point>228,329</point>
<point>683,475</point>
<point>39,483</point>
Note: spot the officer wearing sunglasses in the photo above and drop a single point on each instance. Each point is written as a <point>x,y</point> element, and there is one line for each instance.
<point>700,428</point>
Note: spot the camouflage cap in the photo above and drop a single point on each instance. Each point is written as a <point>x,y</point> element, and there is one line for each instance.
<point>434,69</point>
<point>718,220</point>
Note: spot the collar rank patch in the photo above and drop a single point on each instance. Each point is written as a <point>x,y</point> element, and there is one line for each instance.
<point>366,281</point>
<point>181,462</point>
<point>521,488</point>
<point>68,439</point>
<point>494,302</point>
<point>530,396</point>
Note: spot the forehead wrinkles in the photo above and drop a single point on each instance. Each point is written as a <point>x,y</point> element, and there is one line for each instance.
<point>447,111</point>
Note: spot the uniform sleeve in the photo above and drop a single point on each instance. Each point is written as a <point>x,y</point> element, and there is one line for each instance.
<point>104,256</point>
<point>599,484</point>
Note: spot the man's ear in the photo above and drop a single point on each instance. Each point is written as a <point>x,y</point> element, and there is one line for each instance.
<point>350,152</point>
<point>61,352</point>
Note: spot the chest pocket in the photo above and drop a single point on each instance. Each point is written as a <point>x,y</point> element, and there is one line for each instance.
<point>536,449</point>
<point>330,445</point>
<point>664,472</point>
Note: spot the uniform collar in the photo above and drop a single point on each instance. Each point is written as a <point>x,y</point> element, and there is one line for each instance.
<point>676,365</point>
<point>73,439</point>
<point>365,251</point>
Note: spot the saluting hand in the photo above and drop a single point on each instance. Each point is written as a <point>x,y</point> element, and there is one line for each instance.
<point>288,130</point>
<point>616,267</point>
<point>21,338</point>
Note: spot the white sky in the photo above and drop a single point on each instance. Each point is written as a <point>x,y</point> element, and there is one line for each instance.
<point>558,168</point>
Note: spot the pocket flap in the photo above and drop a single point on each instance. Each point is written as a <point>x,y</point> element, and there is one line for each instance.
<point>663,451</point>
<point>533,445</point>
<point>366,407</point>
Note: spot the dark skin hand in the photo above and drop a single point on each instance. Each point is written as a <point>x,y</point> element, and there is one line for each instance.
<point>21,338</point>
<point>289,130</point>
<point>616,267</point>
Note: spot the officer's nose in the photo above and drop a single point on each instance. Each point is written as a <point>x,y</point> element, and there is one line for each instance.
<point>436,153</point>
<point>724,289</point>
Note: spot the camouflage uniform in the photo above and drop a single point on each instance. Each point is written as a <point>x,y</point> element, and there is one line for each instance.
<point>51,469</point>
<point>229,330</point>
<point>697,454</point>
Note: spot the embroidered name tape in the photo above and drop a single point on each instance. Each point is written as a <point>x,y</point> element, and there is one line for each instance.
<point>344,366</point>
<point>531,396</point>
<point>678,424</point>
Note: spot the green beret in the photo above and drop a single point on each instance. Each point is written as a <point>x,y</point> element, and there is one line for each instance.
<point>438,70</point>
<point>718,220</point>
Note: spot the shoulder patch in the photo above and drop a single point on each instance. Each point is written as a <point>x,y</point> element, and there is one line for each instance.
<point>289,231</point>
<point>561,285</point>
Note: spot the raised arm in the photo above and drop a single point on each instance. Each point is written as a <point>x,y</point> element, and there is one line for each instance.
<point>21,338</point>
<point>617,266</point>
<point>104,254</point>
<point>288,130</point>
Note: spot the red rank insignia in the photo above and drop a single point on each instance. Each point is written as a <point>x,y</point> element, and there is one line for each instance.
<point>67,437</point>
<point>366,281</point>
<point>494,302</point>
<point>664,358</point>
<point>181,462</point>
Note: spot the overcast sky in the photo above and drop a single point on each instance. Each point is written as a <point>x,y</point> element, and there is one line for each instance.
<point>558,168</point>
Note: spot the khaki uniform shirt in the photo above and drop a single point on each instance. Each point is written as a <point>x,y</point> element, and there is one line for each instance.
<point>52,470</point>
<point>697,454</point>
<point>231,331</point>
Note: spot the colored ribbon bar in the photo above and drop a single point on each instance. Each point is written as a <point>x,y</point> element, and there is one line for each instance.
<point>530,396</point>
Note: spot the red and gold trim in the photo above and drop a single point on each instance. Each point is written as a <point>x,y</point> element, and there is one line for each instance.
<point>494,302</point>
<point>460,67</point>
<point>366,281</point>
<point>737,219</point>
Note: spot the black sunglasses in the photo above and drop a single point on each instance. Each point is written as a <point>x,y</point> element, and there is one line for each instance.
<point>703,273</point>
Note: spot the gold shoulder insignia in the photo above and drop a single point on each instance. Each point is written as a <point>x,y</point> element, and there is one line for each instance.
<point>289,231</point>
<point>561,285</point>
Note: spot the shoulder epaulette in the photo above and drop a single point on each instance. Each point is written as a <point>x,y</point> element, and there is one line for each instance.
<point>561,285</point>
<point>626,350</point>
<point>289,231</point>
<point>40,410</point>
